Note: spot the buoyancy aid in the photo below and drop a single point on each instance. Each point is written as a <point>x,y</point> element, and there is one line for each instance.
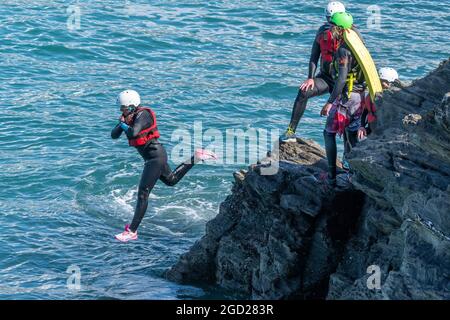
<point>146,134</point>
<point>328,45</point>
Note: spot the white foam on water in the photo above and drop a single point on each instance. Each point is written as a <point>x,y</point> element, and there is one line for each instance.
<point>123,199</point>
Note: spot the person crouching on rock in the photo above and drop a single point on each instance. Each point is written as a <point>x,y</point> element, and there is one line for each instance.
<point>364,125</point>
<point>140,127</point>
<point>343,108</point>
<point>388,77</point>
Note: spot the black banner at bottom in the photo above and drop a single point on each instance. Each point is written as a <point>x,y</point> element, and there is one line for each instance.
<point>223,309</point>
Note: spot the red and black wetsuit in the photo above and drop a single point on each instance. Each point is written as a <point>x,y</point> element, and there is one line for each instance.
<point>155,156</point>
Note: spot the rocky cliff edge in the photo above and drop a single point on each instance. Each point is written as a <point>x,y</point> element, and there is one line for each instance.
<point>289,236</point>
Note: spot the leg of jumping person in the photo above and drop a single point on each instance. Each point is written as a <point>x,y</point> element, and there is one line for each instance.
<point>155,168</point>
<point>151,174</point>
<point>171,178</point>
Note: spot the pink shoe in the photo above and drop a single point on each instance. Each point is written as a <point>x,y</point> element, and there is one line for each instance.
<point>202,154</point>
<point>127,235</point>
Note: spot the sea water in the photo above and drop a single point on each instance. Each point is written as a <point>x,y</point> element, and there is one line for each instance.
<point>66,187</point>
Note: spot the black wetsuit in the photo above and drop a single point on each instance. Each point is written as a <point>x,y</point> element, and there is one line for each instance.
<point>346,63</point>
<point>323,82</point>
<point>155,167</point>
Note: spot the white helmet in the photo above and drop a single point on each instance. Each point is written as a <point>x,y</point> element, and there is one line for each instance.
<point>388,74</point>
<point>128,98</point>
<point>334,7</point>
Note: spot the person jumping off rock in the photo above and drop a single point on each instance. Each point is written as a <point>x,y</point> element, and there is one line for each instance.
<point>140,127</point>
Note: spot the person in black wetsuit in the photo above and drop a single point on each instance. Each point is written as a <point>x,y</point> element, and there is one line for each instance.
<point>344,104</point>
<point>140,127</point>
<point>323,48</point>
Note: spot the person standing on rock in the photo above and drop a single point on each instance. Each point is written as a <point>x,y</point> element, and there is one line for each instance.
<point>344,104</point>
<point>324,47</point>
<point>139,125</point>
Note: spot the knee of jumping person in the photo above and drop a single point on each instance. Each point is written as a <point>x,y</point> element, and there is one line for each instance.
<point>169,181</point>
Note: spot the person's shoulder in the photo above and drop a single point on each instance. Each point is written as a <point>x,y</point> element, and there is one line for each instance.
<point>144,109</point>
<point>143,112</point>
<point>326,26</point>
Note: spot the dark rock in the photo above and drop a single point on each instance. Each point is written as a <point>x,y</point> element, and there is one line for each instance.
<point>404,170</point>
<point>286,234</point>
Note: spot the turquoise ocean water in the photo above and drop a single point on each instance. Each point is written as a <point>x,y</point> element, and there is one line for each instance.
<point>66,188</point>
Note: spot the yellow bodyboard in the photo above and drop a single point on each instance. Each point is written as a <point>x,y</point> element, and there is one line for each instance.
<point>365,61</point>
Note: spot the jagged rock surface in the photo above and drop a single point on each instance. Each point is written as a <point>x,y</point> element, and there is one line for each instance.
<point>288,235</point>
<point>404,169</point>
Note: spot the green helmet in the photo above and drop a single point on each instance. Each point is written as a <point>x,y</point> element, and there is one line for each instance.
<point>342,19</point>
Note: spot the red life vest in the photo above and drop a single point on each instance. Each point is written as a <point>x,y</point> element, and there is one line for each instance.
<point>328,45</point>
<point>146,134</point>
<point>370,106</point>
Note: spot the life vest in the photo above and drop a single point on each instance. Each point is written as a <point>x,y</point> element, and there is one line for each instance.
<point>146,134</point>
<point>355,74</point>
<point>328,45</point>
<point>371,109</point>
